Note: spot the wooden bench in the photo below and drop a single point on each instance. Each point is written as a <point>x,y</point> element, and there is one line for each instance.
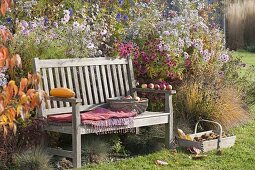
<point>93,80</point>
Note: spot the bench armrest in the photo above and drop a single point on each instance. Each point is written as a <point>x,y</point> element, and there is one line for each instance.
<point>148,90</point>
<point>168,97</point>
<point>62,99</point>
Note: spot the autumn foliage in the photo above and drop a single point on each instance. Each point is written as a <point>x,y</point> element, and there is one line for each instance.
<point>16,100</point>
<point>19,101</point>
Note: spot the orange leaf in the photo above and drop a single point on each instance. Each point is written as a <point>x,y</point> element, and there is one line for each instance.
<point>4,6</point>
<point>23,99</point>
<point>5,51</point>
<point>15,88</point>
<point>11,83</point>
<point>30,92</point>
<point>1,106</point>
<point>23,84</point>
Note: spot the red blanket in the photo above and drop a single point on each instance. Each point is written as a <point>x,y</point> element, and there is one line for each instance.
<point>97,117</point>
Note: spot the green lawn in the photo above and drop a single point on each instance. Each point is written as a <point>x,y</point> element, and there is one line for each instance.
<point>241,156</point>
<point>247,57</point>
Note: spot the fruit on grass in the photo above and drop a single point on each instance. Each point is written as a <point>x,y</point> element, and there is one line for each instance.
<point>62,92</point>
<point>156,86</point>
<point>144,86</point>
<point>151,86</point>
<point>163,87</point>
<point>169,87</point>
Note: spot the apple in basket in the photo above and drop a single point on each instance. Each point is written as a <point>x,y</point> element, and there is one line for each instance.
<point>169,87</point>
<point>163,87</point>
<point>156,86</point>
<point>151,86</point>
<point>144,86</point>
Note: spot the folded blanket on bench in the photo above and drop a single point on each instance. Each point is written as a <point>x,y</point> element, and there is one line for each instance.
<point>100,117</point>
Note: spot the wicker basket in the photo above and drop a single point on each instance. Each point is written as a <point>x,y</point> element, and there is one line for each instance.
<point>128,105</point>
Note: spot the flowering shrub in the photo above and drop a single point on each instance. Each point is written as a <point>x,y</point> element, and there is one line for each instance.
<point>174,43</point>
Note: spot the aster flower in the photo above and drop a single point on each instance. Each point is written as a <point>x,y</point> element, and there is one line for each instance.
<point>125,17</point>
<point>90,45</point>
<point>118,17</point>
<point>76,25</point>
<point>186,55</point>
<point>121,2</point>
<point>55,24</point>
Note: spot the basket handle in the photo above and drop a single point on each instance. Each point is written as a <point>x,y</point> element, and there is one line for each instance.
<point>210,121</point>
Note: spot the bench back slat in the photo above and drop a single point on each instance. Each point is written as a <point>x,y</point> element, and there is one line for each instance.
<point>92,79</point>
<point>56,72</point>
<point>110,83</point>
<point>88,84</point>
<point>52,85</point>
<point>104,82</point>
<point>125,74</point>
<point>83,88</point>
<point>64,82</point>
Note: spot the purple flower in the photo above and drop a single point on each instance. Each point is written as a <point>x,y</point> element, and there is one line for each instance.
<point>186,55</point>
<point>46,20</point>
<point>206,58</point>
<point>70,11</point>
<point>25,32</point>
<point>24,23</point>
<point>55,24</point>
<point>121,2</point>
<point>118,17</point>
<point>223,58</point>
<point>9,20</point>
<point>33,24</point>
<point>125,17</point>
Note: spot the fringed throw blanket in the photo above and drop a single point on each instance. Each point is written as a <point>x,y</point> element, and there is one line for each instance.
<point>101,119</point>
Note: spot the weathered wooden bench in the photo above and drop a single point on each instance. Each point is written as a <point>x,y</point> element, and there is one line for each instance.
<point>93,80</point>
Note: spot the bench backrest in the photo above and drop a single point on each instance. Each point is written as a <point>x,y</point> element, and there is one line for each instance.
<point>92,79</point>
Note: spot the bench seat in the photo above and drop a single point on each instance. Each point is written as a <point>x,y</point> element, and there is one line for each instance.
<point>144,119</point>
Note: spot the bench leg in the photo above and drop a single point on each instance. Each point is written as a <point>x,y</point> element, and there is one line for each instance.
<point>76,144</point>
<point>168,135</point>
